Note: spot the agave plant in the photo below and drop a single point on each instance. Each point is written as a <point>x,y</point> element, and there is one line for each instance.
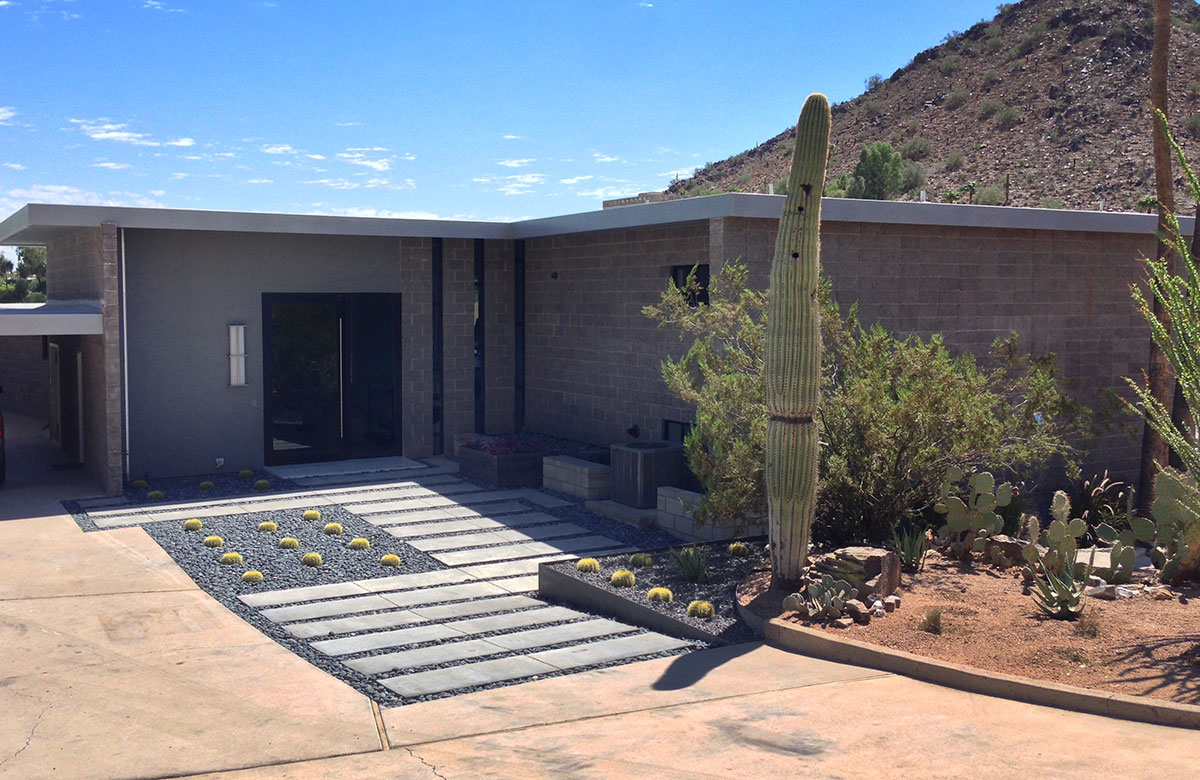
<point>1056,591</point>
<point>911,546</point>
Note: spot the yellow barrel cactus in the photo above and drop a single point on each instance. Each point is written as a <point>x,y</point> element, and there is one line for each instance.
<point>312,515</point>
<point>739,549</point>
<point>359,544</point>
<point>262,484</point>
<point>268,527</point>
<point>641,560</point>
<point>311,559</point>
<point>333,529</point>
<point>231,558</point>
<point>701,609</point>
<point>660,594</point>
<point>214,541</point>
<point>206,485</point>
<point>288,543</point>
<point>254,575</point>
<point>246,474</point>
<point>390,560</point>
<point>588,566</point>
<point>192,525</point>
<point>623,579</point>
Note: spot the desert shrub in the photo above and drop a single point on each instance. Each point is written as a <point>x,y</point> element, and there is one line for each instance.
<point>359,543</point>
<point>588,565</point>
<point>873,109</point>
<point>873,82</point>
<point>660,594</point>
<point>994,30</point>
<point>192,525</point>
<point>1191,124</point>
<point>956,99</point>
<point>1028,42</point>
<point>989,107</point>
<point>1193,89</point>
<point>989,196</point>
<point>1008,118</point>
<point>912,176</point>
<point>623,578</point>
<point>390,560</point>
<point>950,196</point>
<point>955,160</point>
<point>839,187</point>
<point>252,576</point>
<point>1049,202</point>
<point>949,65</point>
<point>1147,203</point>
<point>701,609</point>
<point>990,79</point>
<point>931,622</point>
<point>884,401</point>
<point>916,148</point>
<point>877,176</point>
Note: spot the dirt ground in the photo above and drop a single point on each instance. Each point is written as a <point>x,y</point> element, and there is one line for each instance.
<point>1138,646</point>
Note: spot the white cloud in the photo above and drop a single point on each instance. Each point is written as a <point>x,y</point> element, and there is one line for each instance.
<point>182,142</point>
<point>7,113</point>
<point>104,129</point>
<point>409,156</point>
<point>511,137</point>
<point>359,156</point>
<point>575,179</point>
<point>158,193</point>
<point>260,181</point>
<point>604,158</point>
<point>315,156</point>
<point>337,184</point>
<point>156,5</point>
<point>11,200</point>
<point>346,124</point>
<point>5,3</point>
<point>646,5</point>
<point>528,178</point>
<point>15,166</point>
<point>607,193</point>
<point>355,211</point>
<point>279,149</point>
<point>516,163</point>
<point>112,166</point>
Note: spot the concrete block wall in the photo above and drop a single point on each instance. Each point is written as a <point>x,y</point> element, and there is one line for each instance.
<point>675,507</point>
<point>592,358</point>
<point>25,376</point>
<point>458,339</point>
<point>416,368</point>
<point>576,477</point>
<point>499,338</point>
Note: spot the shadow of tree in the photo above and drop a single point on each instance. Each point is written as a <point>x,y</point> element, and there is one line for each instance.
<point>686,670</point>
<point>1163,663</point>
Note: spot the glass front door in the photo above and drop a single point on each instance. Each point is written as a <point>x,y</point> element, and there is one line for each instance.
<point>331,376</point>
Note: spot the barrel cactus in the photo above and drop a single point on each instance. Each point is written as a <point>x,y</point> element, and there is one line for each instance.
<point>214,541</point>
<point>390,560</point>
<point>701,609</point>
<point>623,578</point>
<point>288,543</point>
<point>640,560</point>
<point>588,566</point>
<point>252,576</point>
<point>246,474</point>
<point>311,559</point>
<point>738,549</point>
<point>139,484</point>
<point>262,484</point>
<point>267,526</point>
<point>231,558</point>
<point>312,515</point>
<point>333,529</point>
<point>155,495</point>
<point>792,367</point>
<point>660,594</point>
<point>206,485</point>
<point>192,525</point>
<point>359,544</point>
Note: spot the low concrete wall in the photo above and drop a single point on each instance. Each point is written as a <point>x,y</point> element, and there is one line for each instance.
<point>576,477</point>
<point>675,506</point>
<point>25,376</point>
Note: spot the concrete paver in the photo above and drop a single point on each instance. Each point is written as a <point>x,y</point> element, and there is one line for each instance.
<point>417,580</point>
<point>525,550</point>
<point>568,632</point>
<point>462,541</point>
<point>608,650</point>
<point>321,609</point>
<point>466,675</point>
<point>364,643</point>
<point>353,623</point>
<point>447,652</point>
<point>510,620</point>
<point>477,607</point>
<point>294,595</point>
<point>442,594</point>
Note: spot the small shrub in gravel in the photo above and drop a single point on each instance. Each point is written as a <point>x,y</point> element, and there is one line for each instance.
<point>932,622</point>
<point>139,484</point>
<point>246,474</point>
<point>262,484</point>
<point>623,579</point>
<point>231,559</point>
<point>267,526</point>
<point>588,565</point>
<point>701,609</point>
<point>214,541</point>
<point>312,515</point>
<point>660,594</point>
<point>206,485</point>
<point>311,559</point>
<point>192,525</point>
<point>252,576</point>
<point>289,543</point>
<point>640,560</point>
<point>333,529</point>
<point>390,560</point>
<point>359,544</point>
<point>155,495</point>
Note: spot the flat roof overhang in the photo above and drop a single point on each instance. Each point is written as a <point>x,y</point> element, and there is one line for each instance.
<point>52,318</point>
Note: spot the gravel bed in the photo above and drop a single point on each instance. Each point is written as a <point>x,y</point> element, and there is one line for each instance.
<point>225,485</point>
<point>724,573</point>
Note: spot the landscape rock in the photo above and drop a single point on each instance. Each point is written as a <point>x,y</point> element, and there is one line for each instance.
<point>1110,592</point>
<point>870,570</point>
<point>843,622</point>
<point>1011,548</point>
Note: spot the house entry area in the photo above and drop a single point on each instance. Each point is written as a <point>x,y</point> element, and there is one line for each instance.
<point>331,376</point>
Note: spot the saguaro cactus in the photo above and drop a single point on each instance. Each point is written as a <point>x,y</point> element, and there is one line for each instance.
<point>792,371</point>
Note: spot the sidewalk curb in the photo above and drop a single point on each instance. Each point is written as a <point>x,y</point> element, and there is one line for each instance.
<point>819,644</point>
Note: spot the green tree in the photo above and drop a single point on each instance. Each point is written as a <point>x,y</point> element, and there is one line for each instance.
<point>6,266</point>
<point>878,175</point>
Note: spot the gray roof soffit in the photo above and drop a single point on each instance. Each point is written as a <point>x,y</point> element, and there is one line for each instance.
<point>39,223</point>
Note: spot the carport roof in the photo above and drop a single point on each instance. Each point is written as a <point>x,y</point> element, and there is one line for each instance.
<point>52,318</point>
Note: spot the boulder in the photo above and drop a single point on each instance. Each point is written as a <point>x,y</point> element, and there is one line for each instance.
<point>874,571</point>
<point>1013,549</point>
<point>843,622</point>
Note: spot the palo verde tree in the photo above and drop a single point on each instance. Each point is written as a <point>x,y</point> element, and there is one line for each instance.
<point>792,368</point>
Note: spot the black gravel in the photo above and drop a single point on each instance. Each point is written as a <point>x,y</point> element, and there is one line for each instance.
<point>225,485</point>
<point>725,571</point>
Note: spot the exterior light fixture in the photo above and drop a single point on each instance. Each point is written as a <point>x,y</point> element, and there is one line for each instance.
<point>237,355</point>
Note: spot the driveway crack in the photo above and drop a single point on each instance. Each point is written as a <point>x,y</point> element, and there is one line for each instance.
<point>432,768</point>
<point>38,722</point>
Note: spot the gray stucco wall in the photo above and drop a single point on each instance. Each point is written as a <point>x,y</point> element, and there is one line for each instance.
<point>184,288</point>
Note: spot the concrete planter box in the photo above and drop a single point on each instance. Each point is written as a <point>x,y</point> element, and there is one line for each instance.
<point>576,477</point>
<point>505,471</point>
<point>675,507</point>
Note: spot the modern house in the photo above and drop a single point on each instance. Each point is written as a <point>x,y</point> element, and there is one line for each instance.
<point>180,342</point>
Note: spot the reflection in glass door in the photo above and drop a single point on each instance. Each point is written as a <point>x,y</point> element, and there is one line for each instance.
<point>330,375</point>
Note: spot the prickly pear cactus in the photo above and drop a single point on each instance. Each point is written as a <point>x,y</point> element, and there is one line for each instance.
<point>971,520</point>
<point>792,370</point>
<point>1176,511</point>
<point>823,599</point>
<point>1060,537</point>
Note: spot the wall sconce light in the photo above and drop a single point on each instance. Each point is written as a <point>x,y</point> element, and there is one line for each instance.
<point>237,355</point>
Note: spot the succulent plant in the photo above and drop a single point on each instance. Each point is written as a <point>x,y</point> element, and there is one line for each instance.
<point>660,594</point>
<point>623,578</point>
<point>640,560</point>
<point>1060,537</point>
<point>206,485</point>
<point>254,575</point>
<point>359,544</point>
<point>823,599</point>
<point>792,366</point>
<point>738,549</point>
<point>231,558</point>
<point>911,546</point>
<point>701,609</point>
<point>262,484</point>
<point>971,521</point>
<point>214,541</point>
<point>267,526</point>
<point>333,529</point>
<point>312,515</point>
<point>588,565</point>
<point>311,559</point>
<point>288,543</point>
<point>390,560</point>
<point>246,474</point>
<point>192,525</point>
<point>1176,511</point>
<point>1056,591</point>
<point>139,484</point>
<point>155,495</point>
<point>692,563</point>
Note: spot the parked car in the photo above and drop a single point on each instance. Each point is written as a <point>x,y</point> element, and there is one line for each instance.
<point>1,442</point>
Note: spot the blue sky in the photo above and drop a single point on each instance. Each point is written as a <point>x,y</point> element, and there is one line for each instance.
<point>471,110</point>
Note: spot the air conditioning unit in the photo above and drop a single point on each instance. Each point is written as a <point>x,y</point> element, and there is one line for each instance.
<point>639,469</point>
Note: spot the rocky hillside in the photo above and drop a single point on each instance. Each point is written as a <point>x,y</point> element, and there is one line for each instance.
<point>1050,97</point>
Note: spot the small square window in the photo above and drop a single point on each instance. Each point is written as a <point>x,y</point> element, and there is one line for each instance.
<point>679,275</point>
<point>674,430</point>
